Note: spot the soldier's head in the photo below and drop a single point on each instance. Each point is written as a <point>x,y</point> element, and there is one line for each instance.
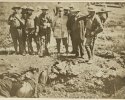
<point>61,12</point>
<point>45,9</point>
<point>71,7</point>
<point>91,10</point>
<point>24,12</point>
<point>17,9</point>
<point>75,12</point>
<point>66,11</point>
<point>30,10</point>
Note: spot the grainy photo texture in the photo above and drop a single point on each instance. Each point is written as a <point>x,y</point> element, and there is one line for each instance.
<point>62,50</point>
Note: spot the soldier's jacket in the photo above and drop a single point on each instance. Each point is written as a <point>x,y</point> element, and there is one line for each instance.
<point>13,21</point>
<point>30,22</point>
<point>92,25</point>
<point>44,23</point>
<point>60,27</point>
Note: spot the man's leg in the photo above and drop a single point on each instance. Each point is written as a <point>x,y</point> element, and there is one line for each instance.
<point>73,48</point>
<point>36,39</point>
<point>88,48</point>
<point>92,46</point>
<point>65,43</point>
<point>24,37</point>
<point>46,44</point>
<point>42,46</point>
<point>58,41</point>
<point>81,46</point>
<point>14,35</point>
<point>29,42</point>
<point>76,47</point>
<point>20,39</point>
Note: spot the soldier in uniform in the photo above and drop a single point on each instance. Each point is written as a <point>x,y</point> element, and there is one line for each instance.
<point>31,30</point>
<point>15,23</point>
<point>24,17</point>
<point>60,30</point>
<point>44,23</point>
<point>103,14</point>
<point>93,28</point>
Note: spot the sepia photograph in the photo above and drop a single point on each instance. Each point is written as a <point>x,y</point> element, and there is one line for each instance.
<point>62,50</point>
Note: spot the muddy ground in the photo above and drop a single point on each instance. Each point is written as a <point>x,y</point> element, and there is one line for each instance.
<point>105,78</point>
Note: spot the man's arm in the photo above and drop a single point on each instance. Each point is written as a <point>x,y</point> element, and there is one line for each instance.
<point>9,20</point>
<point>20,20</point>
<point>99,26</point>
<point>82,18</point>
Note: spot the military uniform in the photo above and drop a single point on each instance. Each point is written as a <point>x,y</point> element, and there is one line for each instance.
<point>60,31</point>
<point>103,15</point>
<point>44,30</point>
<point>30,32</point>
<point>16,30</point>
<point>93,27</point>
<point>24,17</point>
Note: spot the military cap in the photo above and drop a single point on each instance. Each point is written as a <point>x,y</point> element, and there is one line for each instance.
<point>30,8</point>
<point>76,10</point>
<point>45,8</point>
<point>66,8</point>
<point>103,10</point>
<point>91,8</point>
<point>24,7</point>
<point>16,7</point>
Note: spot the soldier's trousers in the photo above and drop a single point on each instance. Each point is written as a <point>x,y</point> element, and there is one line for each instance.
<point>65,43</point>
<point>43,45</point>
<point>79,47</point>
<point>89,45</point>
<point>16,34</point>
<point>30,37</point>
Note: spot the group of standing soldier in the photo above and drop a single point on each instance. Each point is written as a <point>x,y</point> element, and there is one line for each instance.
<point>82,29</point>
<point>25,26</point>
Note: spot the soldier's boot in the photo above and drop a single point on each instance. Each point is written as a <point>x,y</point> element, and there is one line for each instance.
<point>92,51</point>
<point>15,47</point>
